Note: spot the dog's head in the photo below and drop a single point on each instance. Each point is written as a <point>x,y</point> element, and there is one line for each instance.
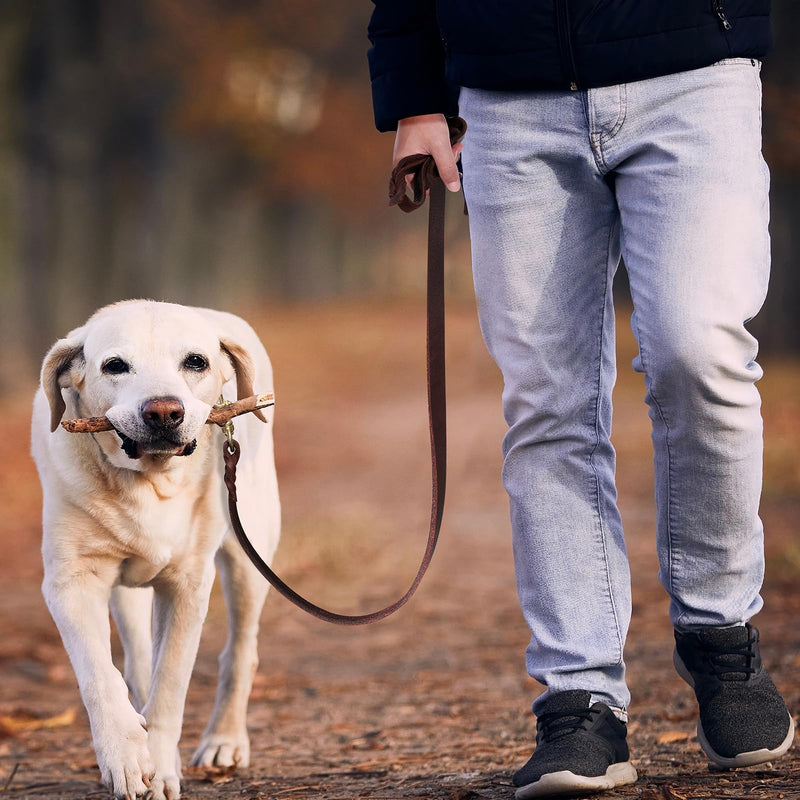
<point>154,369</point>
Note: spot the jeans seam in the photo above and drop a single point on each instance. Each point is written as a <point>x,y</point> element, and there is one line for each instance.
<point>595,144</point>
<point>599,384</point>
<point>668,492</point>
<point>622,113</point>
<point>599,138</point>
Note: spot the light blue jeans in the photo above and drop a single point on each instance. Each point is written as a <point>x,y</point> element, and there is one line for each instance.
<point>668,173</point>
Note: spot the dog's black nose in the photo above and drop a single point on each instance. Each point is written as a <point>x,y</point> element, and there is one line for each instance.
<point>162,413</point>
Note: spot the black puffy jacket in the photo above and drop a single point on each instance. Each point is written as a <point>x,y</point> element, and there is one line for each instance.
<point>422,50</point>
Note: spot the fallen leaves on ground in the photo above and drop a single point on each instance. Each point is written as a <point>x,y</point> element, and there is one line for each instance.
<point>21,720</point>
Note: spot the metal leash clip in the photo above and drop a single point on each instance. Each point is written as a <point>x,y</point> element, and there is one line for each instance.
<point>227,427</point>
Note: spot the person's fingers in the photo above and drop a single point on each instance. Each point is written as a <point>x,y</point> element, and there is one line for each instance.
<point>446,155</point>
<point>446,164</point>
<point>429,134</point>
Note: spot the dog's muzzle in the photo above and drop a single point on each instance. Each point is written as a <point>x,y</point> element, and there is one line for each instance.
<point>134,449</point>
<point>163,417</point>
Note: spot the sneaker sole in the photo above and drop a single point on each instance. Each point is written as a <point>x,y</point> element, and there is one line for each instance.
<point>747,759</point>
<point>559,783</point>
<point>751,757</point>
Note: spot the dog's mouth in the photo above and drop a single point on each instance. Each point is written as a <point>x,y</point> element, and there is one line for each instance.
<point>163,447</point>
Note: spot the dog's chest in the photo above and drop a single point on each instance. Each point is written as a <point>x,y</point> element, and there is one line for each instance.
<point>170,532</point>
<point>155,540</point>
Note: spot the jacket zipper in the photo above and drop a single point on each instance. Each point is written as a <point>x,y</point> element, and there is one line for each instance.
<point>719,10</point>
<point>565,43</point>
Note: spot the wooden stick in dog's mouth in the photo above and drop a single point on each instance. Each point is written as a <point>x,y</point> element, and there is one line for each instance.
<point>217,416</point>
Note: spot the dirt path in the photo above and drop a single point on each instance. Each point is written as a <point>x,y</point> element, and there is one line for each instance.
<point>434,702</point>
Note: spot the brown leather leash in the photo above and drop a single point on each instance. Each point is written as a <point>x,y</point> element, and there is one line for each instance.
<point>425,180</point>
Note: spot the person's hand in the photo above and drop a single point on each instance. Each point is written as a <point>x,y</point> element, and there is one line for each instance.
<point>429,134</point>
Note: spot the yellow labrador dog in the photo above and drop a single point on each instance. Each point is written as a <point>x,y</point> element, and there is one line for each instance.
<point>135,520</point>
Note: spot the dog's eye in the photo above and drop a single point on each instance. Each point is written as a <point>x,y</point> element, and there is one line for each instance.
<point>116,366</point>
<point>195,362</point>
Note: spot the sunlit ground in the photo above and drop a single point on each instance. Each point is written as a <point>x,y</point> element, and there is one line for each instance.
<point>434,700</point>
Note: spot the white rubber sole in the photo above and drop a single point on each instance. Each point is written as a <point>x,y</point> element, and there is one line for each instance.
<point>751,757</point>
<point>747,759</point>
<point>560,783</point>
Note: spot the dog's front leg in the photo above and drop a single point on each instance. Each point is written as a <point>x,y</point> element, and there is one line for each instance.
<point>180,606</point>
<point>132,610</point>
<point>79,606</point>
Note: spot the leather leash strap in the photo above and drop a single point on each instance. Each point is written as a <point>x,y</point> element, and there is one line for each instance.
<point>425,179</point>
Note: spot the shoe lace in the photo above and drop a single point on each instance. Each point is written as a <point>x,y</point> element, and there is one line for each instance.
<point>731,662</point>
<point>557,724</point>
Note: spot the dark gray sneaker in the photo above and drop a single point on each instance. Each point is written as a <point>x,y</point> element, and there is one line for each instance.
<point>743,720</point>
<point>579,749</point>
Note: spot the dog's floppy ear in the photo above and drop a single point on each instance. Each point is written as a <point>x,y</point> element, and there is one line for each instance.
<point>58,372</point>
<point>244,368</point>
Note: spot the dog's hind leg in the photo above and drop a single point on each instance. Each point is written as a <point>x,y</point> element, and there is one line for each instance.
<point>132,610</point>
<point>225,741</point>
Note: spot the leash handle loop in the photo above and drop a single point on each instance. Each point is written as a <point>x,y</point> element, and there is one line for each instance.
<point>423,172</point>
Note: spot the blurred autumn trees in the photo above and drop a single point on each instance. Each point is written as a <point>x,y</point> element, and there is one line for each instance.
<point>197,152</point>
<point>778,326</point>
<point>215,150</point>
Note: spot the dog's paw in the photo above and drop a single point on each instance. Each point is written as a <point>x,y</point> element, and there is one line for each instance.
<point>164,787</point>
<point>124,760</point>
<point>222,751</point>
